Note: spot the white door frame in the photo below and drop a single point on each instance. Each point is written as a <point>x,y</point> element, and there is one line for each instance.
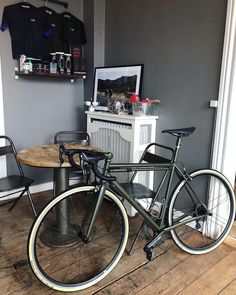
<point>224,144</point>
<point>3,166</point>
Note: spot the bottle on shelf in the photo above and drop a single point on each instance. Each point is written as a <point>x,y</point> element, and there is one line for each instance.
<point>53,64</point>
<point>68,64</point>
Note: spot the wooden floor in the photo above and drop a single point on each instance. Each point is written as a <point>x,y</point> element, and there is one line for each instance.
<point>172,271</point>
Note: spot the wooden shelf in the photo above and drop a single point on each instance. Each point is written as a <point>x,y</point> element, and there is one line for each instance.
<point>72,77</point>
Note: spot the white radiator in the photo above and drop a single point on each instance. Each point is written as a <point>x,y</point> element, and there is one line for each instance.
<point>126,137</point>
<point>111,141</point>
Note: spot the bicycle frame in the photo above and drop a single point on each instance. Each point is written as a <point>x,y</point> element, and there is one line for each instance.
<point>172,168</point>
<point>197,212</point>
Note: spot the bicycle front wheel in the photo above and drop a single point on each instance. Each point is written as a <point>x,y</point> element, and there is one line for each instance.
<point>60,257</point>
<point>208,199</point>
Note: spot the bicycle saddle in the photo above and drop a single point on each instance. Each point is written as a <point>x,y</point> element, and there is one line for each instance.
<point>180,132</point>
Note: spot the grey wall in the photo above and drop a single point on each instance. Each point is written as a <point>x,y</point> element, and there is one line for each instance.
<point>35,109</point>
<point>180,44</point>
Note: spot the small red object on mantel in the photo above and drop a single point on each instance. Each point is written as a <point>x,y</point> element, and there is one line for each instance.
<point>134,98</point>
<point>147,100</point>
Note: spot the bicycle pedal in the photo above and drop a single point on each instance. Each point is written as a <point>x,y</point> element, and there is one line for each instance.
<point>150,254</point>
<point>198,225</point>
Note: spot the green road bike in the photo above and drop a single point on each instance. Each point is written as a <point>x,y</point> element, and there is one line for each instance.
<point>198,213</point>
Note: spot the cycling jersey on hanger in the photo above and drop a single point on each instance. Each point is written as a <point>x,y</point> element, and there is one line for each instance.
<point>73,33</point>
<point>27,29</point>
<point>53,42</point>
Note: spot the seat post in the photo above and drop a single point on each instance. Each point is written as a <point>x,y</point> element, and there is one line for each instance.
<point>177,147</point>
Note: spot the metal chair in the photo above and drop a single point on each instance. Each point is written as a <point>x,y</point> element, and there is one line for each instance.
<point>16,183</point>
<point>139,191</point>
<point>78,137</point>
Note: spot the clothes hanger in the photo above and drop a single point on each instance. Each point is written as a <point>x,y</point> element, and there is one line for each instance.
<point>25,4</point>
<point>67,14</point>
<point>47,9</point>
<point>59,2</point>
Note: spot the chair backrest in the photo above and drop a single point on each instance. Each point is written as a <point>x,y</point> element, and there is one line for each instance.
<point>8,149</point>
<point>80,137</point>
<point>150,156</point>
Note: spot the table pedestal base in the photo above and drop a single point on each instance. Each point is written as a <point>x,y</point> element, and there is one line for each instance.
<point>54,238</point>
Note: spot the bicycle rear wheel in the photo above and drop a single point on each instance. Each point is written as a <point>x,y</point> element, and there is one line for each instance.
<point>208,197</point>
<point>73,264</point>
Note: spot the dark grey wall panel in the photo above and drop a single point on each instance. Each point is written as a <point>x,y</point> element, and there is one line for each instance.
<point>89,48</point>
<point>180,43</point>
<point>35,109</point>
<point>94,19</point>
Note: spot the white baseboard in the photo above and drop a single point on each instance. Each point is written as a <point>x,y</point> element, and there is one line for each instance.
<point>33,189</point>
<point>41,187</point>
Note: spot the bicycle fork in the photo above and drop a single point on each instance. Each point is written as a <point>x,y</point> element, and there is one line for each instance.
<point>102,189</point>
<point>94,212</point>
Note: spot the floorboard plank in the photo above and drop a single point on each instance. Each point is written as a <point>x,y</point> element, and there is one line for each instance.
<point>185,273</point>
<point>215,279</point>
<point>143,276</point>
<point>230,289</point>
<point>173,271</point>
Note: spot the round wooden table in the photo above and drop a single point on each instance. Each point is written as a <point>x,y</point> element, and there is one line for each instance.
<point>47,156</point>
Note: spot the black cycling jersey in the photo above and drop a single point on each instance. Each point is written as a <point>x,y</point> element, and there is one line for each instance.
<point>52,43</point>
<point>73,33</point>
<point>27,29</point>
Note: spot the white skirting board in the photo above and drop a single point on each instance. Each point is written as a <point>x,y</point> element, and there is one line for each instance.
<point>33,189</point>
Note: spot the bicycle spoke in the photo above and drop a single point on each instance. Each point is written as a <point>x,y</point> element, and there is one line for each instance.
<point>70,266</point>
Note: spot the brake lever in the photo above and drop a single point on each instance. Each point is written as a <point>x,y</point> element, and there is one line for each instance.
<point>82,165</point>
